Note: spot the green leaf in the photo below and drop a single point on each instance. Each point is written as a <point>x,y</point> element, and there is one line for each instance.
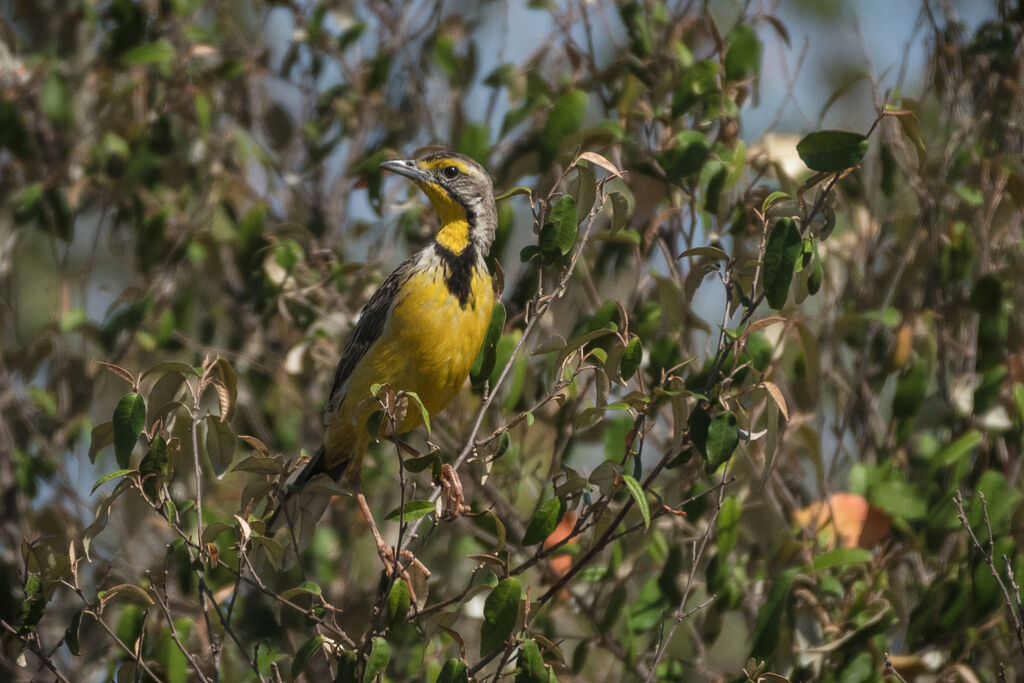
<point>484,363</point>
<point>108,476</point>
<point>256,464</point>
<point>899,499</point>
<point>475,141</point>
<point>637,491</point>
<point>723,438</point>
<point>911,389</point>
<point>583,188</point>
<point>840,557</point>
<point>728,525</point>
<point>55,99</point>
<point>563,120</point>
<point>621,211</point>
<point>829,151</point>
<point>454,671</point>
<point>697,426</point>
<point>518,189</point>
<point>531,664</point>
<point>153,467</point>
<point>686,157</point>
<point>71,634</point>
<point>421,463</point>
<point>32,607</point>
<point>220,444</point>
<point>817,273</point>
<point>743,58</point>
<point>304,588</point>
<point>714,253</point>
<point>544,521</point>
<point>380,655</point>
<point>501,612</point>
<point>772,199</point>
<point>769,618</point>
<point>398,603</point>
<point>424,414</point>
<point>412,510</point>
<point>959,449</point>
<point>780,256</point>
<point>559,231</point>
<point>161,52</point>
<point>129,420</point>
<point>632,356</point>
<point>306,654</point>
<point>101,437</point>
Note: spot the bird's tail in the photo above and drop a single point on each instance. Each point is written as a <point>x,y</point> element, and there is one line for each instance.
<point>316,465</point>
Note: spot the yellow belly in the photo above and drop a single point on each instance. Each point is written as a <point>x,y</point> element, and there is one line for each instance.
<point>428,347</point>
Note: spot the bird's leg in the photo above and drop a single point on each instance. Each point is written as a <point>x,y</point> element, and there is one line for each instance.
<point>392,565</point>
<point>383,549</point>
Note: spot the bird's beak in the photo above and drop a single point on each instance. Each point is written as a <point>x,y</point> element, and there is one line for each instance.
<point>407,167</point>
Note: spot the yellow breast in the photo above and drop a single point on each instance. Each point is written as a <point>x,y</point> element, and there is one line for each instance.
<point>428,346</point>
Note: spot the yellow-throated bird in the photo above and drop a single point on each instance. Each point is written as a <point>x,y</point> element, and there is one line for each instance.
<point>422,328</point>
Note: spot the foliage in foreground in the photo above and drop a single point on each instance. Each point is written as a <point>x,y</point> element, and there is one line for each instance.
<point>732,419</point>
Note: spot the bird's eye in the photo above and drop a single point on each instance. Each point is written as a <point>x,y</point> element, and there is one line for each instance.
<point>450,172</point>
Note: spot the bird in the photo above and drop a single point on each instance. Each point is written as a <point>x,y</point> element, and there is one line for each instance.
<point>421,329</point>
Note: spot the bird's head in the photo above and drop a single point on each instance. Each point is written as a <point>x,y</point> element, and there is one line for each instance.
<point>461,192</point>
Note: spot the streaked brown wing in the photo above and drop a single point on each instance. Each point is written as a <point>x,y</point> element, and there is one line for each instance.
<point>369,327</point>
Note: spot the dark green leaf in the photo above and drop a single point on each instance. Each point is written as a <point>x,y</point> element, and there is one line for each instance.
<point>632,356</point>
<point>828,151</point>
<point>102,436</point>
<point>32,607</point>
<point>544,521</point>
<point>421,463</point>
<point>769,618</point>
<point>687,156</point>
<point>501,612</point>
<point>153,467</point>
<point>723,438</point>
<point>743,58</point>
<point>129,420</point>
<point>563,120</point>
<point>911,389</point>
<point>220,444</point>
<point>780,256</point>
<point>621,211</point>
<point>259,465</point>
<point>484,363</point>
<point>454,671</point>
<point>531,664</point>
<point>71,634</point>
<point>306,654</point>
<point>583,189</point>
<point>559,231</point>
<point>697,426</point>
